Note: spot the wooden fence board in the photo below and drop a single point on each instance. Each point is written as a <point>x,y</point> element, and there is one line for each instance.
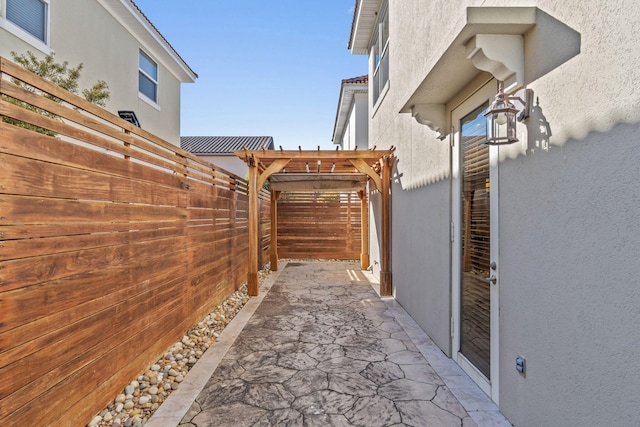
<point>36,358</point>
<point>23,176</point>
<point>21,142</point>
<point>319,225</point>
<point>33,231</point>
<point>105,231</point>
<point>71,299</point>
<point>26,248</point>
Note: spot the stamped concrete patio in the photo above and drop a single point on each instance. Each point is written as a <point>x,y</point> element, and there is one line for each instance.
<point>319,347</point>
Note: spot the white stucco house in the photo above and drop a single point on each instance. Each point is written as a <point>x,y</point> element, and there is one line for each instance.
<point>520,260</point>
<point>351,127</point>
<point>116,43</point>
<point>219,150</point>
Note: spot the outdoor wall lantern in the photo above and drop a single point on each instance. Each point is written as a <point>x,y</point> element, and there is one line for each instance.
<point>501,117</point>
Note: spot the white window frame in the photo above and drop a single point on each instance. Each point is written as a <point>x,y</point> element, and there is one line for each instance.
<point>22,34</point>
<point>380,57</point>
<point>154,102</point>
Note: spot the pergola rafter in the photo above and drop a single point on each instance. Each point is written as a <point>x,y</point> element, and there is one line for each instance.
<point>321,170</point>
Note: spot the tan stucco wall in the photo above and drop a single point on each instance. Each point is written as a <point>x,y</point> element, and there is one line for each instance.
<point>83,31</point>
<point>569,241</point>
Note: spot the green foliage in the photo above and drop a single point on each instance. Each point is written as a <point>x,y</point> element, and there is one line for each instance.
<point>62,75</point>
<point>97,94</point>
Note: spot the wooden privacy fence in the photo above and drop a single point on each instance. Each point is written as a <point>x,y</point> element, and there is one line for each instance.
<point>113,243</point>
<point>319,225</point>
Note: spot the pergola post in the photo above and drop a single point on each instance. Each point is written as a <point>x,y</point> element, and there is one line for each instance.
<point>334,171</point>
<point>275,195</point>
<point>385,261</point>
<point>364,229</point>
<point>252,273</point>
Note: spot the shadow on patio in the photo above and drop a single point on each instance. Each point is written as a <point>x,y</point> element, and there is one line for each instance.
<point>319,347</point>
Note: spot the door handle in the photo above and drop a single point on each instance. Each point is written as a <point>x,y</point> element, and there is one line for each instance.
<point>493,279</point>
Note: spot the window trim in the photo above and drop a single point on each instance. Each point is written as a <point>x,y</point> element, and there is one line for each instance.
<point>379,56</point>
<point>42,45</point>
<point>142,95</point>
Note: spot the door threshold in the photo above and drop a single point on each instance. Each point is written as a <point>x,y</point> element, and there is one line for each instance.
<point>478,377</point>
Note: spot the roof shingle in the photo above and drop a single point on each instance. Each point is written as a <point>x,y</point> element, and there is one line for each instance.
<point>357,80</point>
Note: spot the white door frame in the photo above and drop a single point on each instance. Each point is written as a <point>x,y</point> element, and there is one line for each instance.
<point>485,94</point>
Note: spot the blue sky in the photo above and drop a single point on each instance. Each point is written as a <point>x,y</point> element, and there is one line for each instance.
<point>265,67</point>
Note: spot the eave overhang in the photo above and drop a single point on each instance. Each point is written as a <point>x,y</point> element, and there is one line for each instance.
<point>492,40</point>
<point>348,92</point>
<point>364,23</point>
<point>134,21</point>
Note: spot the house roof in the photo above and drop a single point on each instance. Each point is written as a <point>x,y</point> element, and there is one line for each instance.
<point>348,89</point>
<point>137,23</point>
<point>224,145</point>
<point>365,18</point>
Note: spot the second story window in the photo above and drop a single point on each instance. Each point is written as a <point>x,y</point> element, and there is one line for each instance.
<point>380,54</point>
<point>148,77</point>
<point>31,16</point>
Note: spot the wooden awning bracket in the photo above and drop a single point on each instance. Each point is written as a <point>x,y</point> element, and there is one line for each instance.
<point>363,167</point>
<point>274,167</point>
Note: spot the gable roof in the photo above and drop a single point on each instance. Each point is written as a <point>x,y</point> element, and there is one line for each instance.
<point>224,145</point>
<point>348,89</point>
<point>136,22</point>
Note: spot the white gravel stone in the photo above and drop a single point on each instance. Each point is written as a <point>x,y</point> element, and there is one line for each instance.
<point>143,395</point>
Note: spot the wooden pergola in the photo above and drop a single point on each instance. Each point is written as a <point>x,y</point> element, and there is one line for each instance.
<point>321,170</point>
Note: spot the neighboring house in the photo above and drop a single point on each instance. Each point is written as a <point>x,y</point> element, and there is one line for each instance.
<point>219,149</point>
<point>116,43</point>
<point>519,260</point>
<point>351,128</point>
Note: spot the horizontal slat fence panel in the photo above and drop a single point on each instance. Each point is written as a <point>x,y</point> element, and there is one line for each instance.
<point>113,243</point>
<point>319,226</point>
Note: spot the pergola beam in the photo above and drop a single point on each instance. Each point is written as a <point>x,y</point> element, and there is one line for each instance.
<point>363,167</point>
<point>376,165</point>
<point>312,155</point>
<point>274,167</point>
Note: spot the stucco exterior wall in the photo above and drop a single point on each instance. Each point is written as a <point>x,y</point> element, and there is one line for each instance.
<point>569,273</point>
<point>420,212</point>
<point>230,163</point>
<point>569,239</point>
<point>570,242</point>
<point>85,32</point>
<point>420,267</point>
<point>361,119</point>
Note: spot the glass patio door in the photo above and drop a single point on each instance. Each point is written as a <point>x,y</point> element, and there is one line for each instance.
<point>475,299</point>
<point>474,220</point>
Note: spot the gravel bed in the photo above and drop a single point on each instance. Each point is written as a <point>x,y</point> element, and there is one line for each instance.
<point>141,398</point>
